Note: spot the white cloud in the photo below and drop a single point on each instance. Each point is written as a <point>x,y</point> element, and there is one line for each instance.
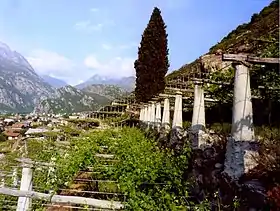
<point>116,67</point>
<point>47,62</point>
<point>106,46</point>
<point>94,9</point>
<point>55,65</point>
<point>88,26</point>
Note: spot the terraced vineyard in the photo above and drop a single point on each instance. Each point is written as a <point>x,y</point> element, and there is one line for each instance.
<point>120,167</point>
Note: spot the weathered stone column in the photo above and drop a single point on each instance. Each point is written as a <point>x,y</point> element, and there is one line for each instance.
<point>178,111</point>
<point>141,114</point>
<point>198,117</point>
<point>166,115</point>
<point>242,111</point>
<point>149,115</point>
<point>153,114</point>
<point>146,114</point>
<point>158,115</point>
<point>241,146</point>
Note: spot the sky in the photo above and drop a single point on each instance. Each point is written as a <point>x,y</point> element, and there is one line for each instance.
<point>75,39</point>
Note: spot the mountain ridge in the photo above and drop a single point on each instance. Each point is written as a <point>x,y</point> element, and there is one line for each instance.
<point>127,83</point>
<point>23,90</point>
<point>69,99</point>
<point>53,81</point>
<point>20,87</point>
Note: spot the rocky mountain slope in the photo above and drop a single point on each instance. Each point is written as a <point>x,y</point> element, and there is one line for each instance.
<point>20,87</point>
<point>109,91</point>
<point>127,83</point>
<point>22,90</point>
<point>54,82</point>
<point>259,37</point>
<point>69,99</point>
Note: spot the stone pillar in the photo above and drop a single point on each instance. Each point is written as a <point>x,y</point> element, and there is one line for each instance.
<point>141,114</point>
<point>198,117</point>
<point>242,111</point>
<point>149,114</point>
<point>153,114</point>
<point>178,111</point>
<point>166,114</point>
<point>158,115</point>
<point>241,145</point>
<point>146,114</point>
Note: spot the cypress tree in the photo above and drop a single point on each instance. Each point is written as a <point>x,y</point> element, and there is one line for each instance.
<point>152,63</point>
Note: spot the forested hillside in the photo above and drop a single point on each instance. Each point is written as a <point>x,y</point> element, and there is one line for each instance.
<point>259,37</point>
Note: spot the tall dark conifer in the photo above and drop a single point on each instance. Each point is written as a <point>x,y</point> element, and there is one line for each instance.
<point>152,63</point>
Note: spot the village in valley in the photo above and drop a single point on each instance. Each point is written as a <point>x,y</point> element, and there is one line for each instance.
<point>19,126</point>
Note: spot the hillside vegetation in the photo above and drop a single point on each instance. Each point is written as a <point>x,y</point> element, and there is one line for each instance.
<point>259,37</point>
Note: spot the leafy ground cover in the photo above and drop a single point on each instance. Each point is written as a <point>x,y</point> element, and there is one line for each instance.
<point>150,179</point>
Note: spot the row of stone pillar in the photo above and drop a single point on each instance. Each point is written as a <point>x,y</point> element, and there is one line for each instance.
<point>242,118</point>
<point>151,114</point>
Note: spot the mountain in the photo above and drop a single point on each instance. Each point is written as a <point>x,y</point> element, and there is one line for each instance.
<point>20,86</point>
<point>22,90</point>
<point>127,83</point>
<point>55,82</point>
<point>68,99</point>
<point>109,91</point>
<point>259,37</point>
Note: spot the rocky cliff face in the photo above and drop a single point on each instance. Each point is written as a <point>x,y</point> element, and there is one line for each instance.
<point>20,87</point>
<point>67,100</point>
<point>109,91</point>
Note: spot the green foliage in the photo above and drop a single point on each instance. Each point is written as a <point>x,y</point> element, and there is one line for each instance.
<point>152,63</point>
<point>150,178</point>
<point>116,119</point>
<point>186,124</point>
<point>221,128</point>
<point>142,163</point>
<point>87,120</point>
<point>68,160</point>
<point>3,137</point>
<point>222,93</point>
